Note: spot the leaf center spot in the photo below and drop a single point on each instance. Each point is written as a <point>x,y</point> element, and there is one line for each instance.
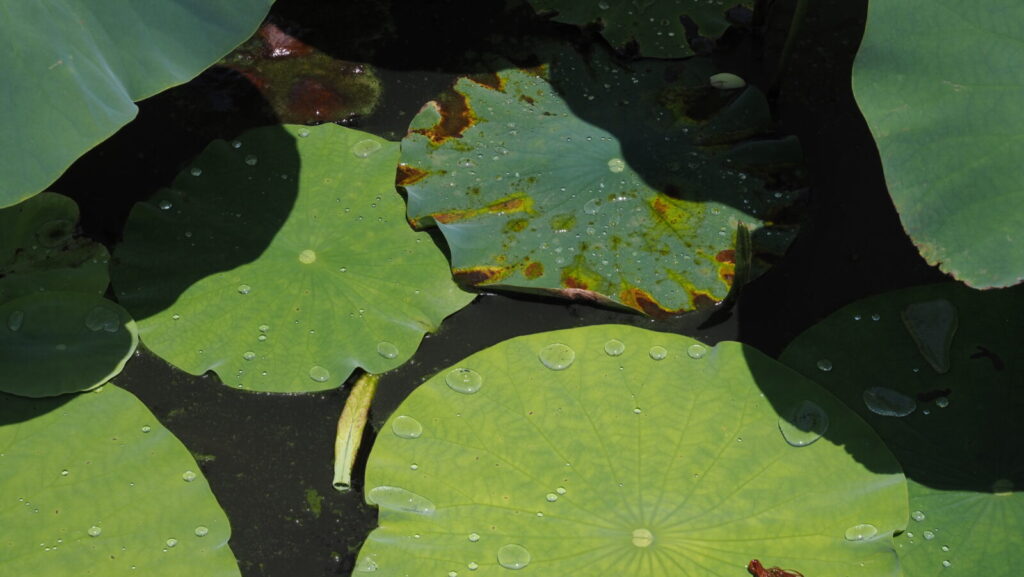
<point>307,256</point>
<point>642,537</point>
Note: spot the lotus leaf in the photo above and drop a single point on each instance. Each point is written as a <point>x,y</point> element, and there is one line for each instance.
<point>655,28</point>
<point>56,342</point>
<point>587,179</point>
<point>957,433</point>
<point>93,485</point>
<point>342,281</point>
<point>40,251</point>
<point>73,68</point>
<point>940,87</point>
<point>613,450</point>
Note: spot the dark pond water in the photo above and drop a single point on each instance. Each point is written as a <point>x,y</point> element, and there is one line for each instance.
<point>269,457</point>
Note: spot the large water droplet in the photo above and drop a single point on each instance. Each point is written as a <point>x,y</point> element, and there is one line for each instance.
<point>466,381</point>
<point>171,542</point>
<point>557,356</point>
<point>803,424</point>
<point>202,531</point>
<point>696,351</point>
<point>658,352</point>
<point>94,531</point>
<point>642,537</point>
<point>165,205</point>
<point>307,256</point>
<point>102,319</point>
<point>888,403</point>
<point>592,206</point>
<point>616,165</point>
<point>364,148</point>
<point>861,532</point>
<point>473,537</point>
<point>928,535</point>
<point>399,499</point>
<point>614,347</point>
<point>387,350</point>
<point>513,556</point>
<point>406,427</point>
<point>947,563</point>
<point>917,516</point>
<point>248,355</point>
<point>319,374</point>
<point>15,320</point>
<point>188,476</point>
<point>932,325</point>
<point>244,289</point>
<point>824,365</point>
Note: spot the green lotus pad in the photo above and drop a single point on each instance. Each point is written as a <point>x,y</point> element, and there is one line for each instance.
<point>940,86</point>
<point>39,250</point>
<point>629,192</point>
<point>612,450</point>
<point>959,438</point>
<point>280,278</point>
<point>656,28</point>
<point>92,484</point>
<point>55,342</point>
<point>75,67</point>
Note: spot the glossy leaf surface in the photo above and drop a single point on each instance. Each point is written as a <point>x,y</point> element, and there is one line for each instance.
<point>960,444</point>
<point>612,450</point>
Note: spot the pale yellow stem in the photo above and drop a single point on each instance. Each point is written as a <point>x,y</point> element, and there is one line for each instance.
<point>350,429</point>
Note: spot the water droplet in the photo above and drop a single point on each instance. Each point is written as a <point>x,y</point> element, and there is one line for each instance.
<point>861,532</point>
<point>557,356</point>
<point>102,319</point>
<point>364,148</point>
<point>171,542</point>
<point>365,565</point>
<point>593,206</point>
<point>466,381</point>
<point>303,132</point>
<point>202,531</point>
<point>658,352</point>
<point>319,374</point>
<point>888,403</point>
<point>165,205</point>
<point>513,556</point>
<point>932,325</point>
<point>236,144</point>
<point>387,350</point>
<point>146,428</point>
<point>194,171</point>
<point>64,473</point>
<point>400,499</point>
<point>614,347</point>
<point>942,402</point>
<point>15,320</point>
<point>307,256</point>
<point>551,497</point>
<point>244,289</point>
<point>917,516</point>
<point>945,548</point>
<point>472,566</point>
<point>616,165</point>
<point>406,427</point>
<point>251,159</point>
<point>928,535</point>
<point>248,355</point>
<point>642,537</point>
<point>188,476</point>
<point>94,531</point>
<point>473,537</point>
<point>876,317</point>
<point>803,424</point>
<point>946,563</point>
<point>696,351</point>
<point>824,365</point>
<point>175,317</point>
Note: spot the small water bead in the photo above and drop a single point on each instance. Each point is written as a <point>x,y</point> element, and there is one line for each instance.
<point>248,355</point>
<point>103,319</point>
<point>387,350</point>
<point>365,565</point>
<point>165,205</point>
<point>261,338</point>
<point>861,532</point>
<point>946,563</point>
<point>319,374</point>
<point>696,351</point>
<point>194,171</point>
<point>175,317</point>
<point>642,537</point>
<point>146,428</point>
<point>188,476</point>
<point>616,165</point>
<point>171,542</point>
<point>453,574</point>
<point>614,347</point>
<point>364,148</point>
<point>244,289</point>
<point>236,144</point>
<point>406,427</point>
<point>945,548</point>
<point>64,473</point>
<point>513,556</point>
<point>472,565</point>
<point>551,497</point>
<point>824,365</point>
<point>465,381</point>
<point>202,531</point>
<point>94,531</point>
<point>888,403</point>
<point>917,516</point>
<point>658,352</point>
<point>303,132</point>
<point>400,499</point>
<point>876,317</point>
<point>473,537</point>
<point>557,356</point>
<point>803,424</point>
<point>251,159</point>
<point>928,535</point>
<point>942,402</point>
<point>560,490</point>
<point>15,320</point>
<point>307,256</point>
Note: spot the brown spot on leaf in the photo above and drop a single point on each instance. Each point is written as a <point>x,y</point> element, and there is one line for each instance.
<point>480,275</point>
<point>489,79</point>
<point>409,175</point>
<point>515,203</point>
<point>526,99</point>
<point>641,300</point>
<point>533,270</point>
<point>456,118</point>
<point>728,255</point>
<point>702,300</point>
<point>573,282</point>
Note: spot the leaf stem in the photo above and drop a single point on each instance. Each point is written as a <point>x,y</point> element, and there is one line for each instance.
<point>350,429</point>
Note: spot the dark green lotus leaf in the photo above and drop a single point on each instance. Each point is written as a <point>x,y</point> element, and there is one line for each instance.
<point>961,438</point>
<point>281,279</point>
<point>56,342</point>
<point>613,450</point>
<point>940,87</point>
<point>39,250</point>
<point>587,179</point>
<point>72,69</point>
<point>652,28</point>
<point>302,84</point>
<point>92,484</point>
